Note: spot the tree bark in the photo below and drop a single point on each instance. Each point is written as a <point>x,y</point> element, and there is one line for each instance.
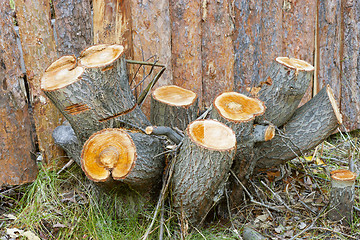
<point>152,38</point>
<point>350,90</point>
<point>39,50</point>
<point>309,126</point>
<point>73,24</point>
<point>186,48</point>
<point>129,157</point>
<point>202,167</point>
<point>284,87</point>
<point>173,106</point>
<point>16,141</point>
<point>94,98</point>
<point>342,196</point>
<point>217,49</point>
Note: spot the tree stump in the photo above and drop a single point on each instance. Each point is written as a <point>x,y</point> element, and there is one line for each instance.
<point>284,86</point>
<point>93,93</point>
<point>342,196</point>
<point>202,167</point>
<point>309,126</point>
<point>173,106</point>
<point>129,157</point>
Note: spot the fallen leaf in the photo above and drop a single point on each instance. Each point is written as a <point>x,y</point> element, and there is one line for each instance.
<point>30,235</point>
<point>59,225</point>
<point>14,232</point>
<point>279,229</point>
<point>302,225</point>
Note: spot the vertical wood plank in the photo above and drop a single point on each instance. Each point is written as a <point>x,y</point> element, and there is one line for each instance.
<point>299,21</point>
<point>186,44</point>
<point>73,24</point>
<point>151,36</point>
<point>350,79</point>
<point>329,41</point>
<point>112,23</point>
<point>39,50</point>
<point>217,49</point>
<point>17,165</point>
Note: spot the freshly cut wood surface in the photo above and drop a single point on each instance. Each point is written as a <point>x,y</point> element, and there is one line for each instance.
<point>94,93</point>
<point>73,24</point>
<point>284,87</point>
<point>17,142</point>
<point>309,126</point>
<point>130,157</point>
<point>202,167</point>
<point>38,44</point>
<point>173,106</point>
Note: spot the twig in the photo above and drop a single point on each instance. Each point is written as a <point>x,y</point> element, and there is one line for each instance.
<point>251,197</point>
<point>164,188</point>
<point>334,231</point>
<point>311,225</point>
<point>161,231</point>
<point>145,63</point>
<point>278,198</point>
<point>202,116</point>
<point>68,164</point>
<point>146,91</point>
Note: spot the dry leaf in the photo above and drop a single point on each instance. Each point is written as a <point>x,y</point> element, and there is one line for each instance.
<point>302,225</point>
<point>279,229</point>
<point>30,235</point>
<point>9,216</point>
<point>59,225</point>
<point>14,232</point>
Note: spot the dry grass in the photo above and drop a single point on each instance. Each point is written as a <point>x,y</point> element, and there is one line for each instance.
<point>293,204</point>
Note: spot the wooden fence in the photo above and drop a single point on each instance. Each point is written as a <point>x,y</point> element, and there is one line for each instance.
<point>207,46</point>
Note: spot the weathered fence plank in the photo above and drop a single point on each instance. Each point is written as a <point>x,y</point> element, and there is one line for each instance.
<point>217,49</point>
<point>186,45</point>
<point>17,165</point>
<point>39,50</point>
<point>73,24</point>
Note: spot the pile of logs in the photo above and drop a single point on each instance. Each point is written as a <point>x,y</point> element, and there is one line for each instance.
<point>108,135</point>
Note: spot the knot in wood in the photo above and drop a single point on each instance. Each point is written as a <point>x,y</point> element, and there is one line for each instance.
<point>109,157</point>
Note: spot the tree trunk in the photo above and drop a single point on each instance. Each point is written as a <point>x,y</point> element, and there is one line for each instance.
<point>309,126</point>
<point>186,48</point>
<point>202,168</point>
<point>173,106</point>
<point>93,95</point>
<point>152,39</point>
<point>39,50</point>
<point>284,87</point>
<point>73,24</point>
<point>129,157</point>
<point>17,165</point>
<point>217,49</point>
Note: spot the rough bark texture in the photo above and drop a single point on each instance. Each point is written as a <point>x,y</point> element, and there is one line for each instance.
<point>186,45</point>
<point>163,114</point>
<point>310,125</point>
<point>39,50</point>
<point>112,24</point>
<point>152,37</point>
<point>199,178</point>
<point>284,92</point>
<point>103,98</point>
<point>342,196</point>
<point>217,49</point>
<point>267,29</point>
<point>73,24</point>
<point>329,40</point>
<point>350,79</point>
<point>16,141</point>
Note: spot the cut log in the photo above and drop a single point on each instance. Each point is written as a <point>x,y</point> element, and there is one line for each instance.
<point>130,157</point>
<point>238,112</point>
<point>202,167</point>
<point>173,106</point>
<point>38,45</point>
<point>93,94</point>
<point>73,24</point>
<point>342,196</point>
<point>164,131</point>
<point>16,141</point>
<point>286,84</point>
<point>311,124</point>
